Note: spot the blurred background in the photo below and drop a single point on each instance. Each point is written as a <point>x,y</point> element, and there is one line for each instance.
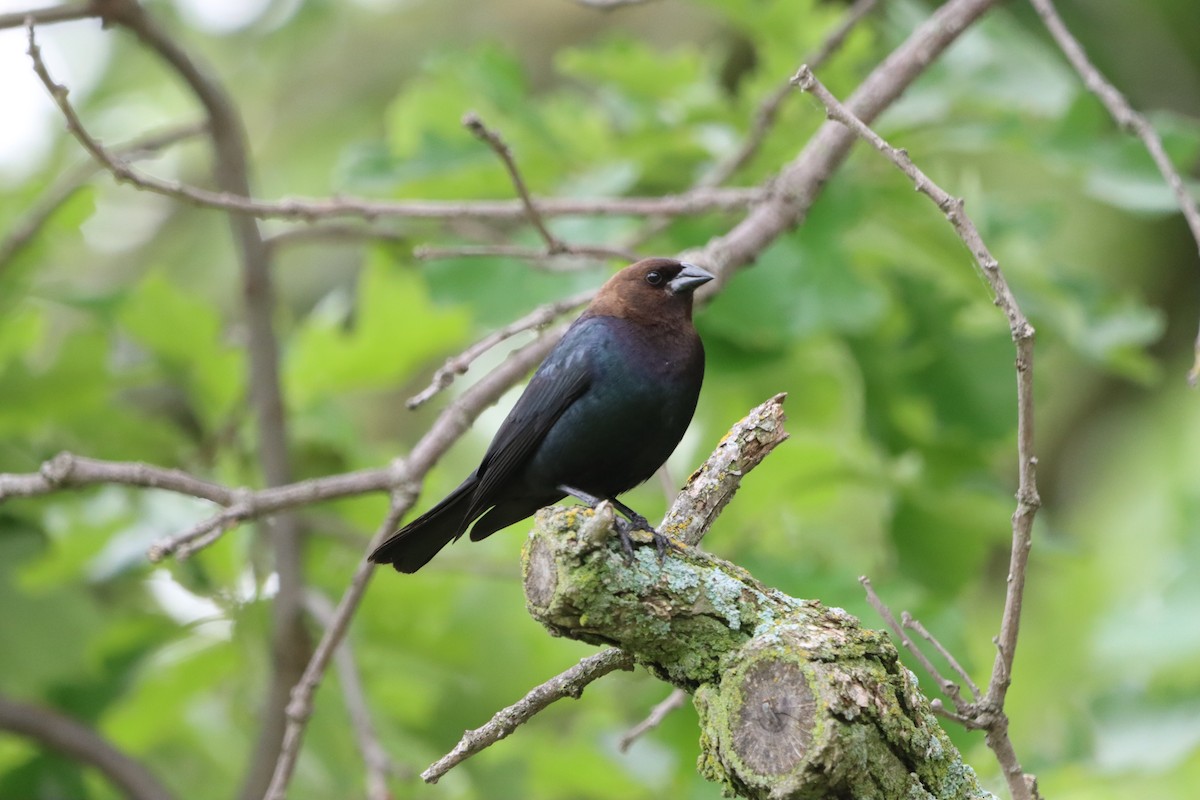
<point>121,338</point>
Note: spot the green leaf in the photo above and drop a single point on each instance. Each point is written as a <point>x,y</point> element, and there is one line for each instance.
<point>45,631</point>
<point>801,286</point>
<point>185,336</point>
<point>392,328</point>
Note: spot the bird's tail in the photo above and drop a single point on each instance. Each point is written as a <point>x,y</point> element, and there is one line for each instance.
<point>411,547</point>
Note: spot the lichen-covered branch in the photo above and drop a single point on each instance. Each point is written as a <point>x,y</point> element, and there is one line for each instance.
<point>795,699</point>
<point>710,488</point>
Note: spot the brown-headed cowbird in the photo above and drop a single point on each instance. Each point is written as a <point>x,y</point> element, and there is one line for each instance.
<point>600,415</point>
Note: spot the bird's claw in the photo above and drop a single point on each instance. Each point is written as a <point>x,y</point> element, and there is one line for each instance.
<point>661,541</point>
<point>623,529</point>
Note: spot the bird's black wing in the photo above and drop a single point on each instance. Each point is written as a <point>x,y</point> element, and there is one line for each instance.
<point>563,377</point>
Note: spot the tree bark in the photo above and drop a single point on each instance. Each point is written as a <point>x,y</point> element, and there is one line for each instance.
<point>796,700</point>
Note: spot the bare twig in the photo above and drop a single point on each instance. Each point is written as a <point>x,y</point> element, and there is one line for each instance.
<point>66,12</point>
<point>949,687</point>
<point>244,504</point>
<point>914,624</point>
<point>475,125</point>
<point>952,207</point>
<point>940,709</point>
<point>567,684</point>
<point>1129,120</point>
<point>67,470</point>
<point>79,742</point>
<point>1028,501</point>
<point>379,764</point>
<point>674,700</point>
<point>310,210</point>
<point>554,245</point>
<point>459,364</point>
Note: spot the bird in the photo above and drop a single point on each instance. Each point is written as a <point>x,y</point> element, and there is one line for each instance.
<point>602,413</point>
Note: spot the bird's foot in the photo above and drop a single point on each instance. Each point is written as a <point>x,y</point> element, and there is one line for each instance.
<point>639,523</point>
<point>636,522</point>
<point>623,529</point>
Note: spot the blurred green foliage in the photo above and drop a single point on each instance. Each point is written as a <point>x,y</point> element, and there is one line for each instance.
<point>120,338</point>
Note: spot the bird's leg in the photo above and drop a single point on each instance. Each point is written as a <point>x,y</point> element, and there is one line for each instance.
<point>579,494</point>
<point>636,521</point>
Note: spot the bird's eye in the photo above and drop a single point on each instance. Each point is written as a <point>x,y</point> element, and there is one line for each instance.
<point>655,278</point>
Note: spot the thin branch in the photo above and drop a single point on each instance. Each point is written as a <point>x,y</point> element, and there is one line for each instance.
<point>44,16</point>
<point>79,742</point>
<point>554,246</point>
<point>948,687</point>
<point>952,207</point>
<point>660,712</point>
<point>566,684</point>
<point>1129,120</point>
<point>378,763</point>
<point>698,201</point>
<point>914,624</point>
<point>768,110</point>
<point>311,210</point>
<point>1028,500</point>
<point>940,709</point>
<point>67,470</point>
<point>243,504</point>
<point>475,125</point>
<point>36,217</point>
<point>459,364</point>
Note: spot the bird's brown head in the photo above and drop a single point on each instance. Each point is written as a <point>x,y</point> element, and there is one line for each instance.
<point>652,290</point>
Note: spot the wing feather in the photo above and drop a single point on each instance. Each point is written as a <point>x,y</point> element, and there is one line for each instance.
<point>563,377</point>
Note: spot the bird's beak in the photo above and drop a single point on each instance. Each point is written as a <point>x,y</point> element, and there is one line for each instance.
<point>689,279</point>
